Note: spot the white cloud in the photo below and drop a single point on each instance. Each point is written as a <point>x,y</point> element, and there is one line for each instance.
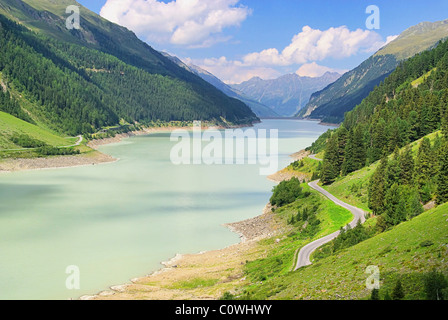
<point>390,39</point>
<point>314,70</point>
<point>231,71</point>
<point>195,23</point>
<point>316,45</point>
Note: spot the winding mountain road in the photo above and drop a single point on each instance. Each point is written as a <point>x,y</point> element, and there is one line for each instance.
<point>303,258</point>
<point>313,156</point>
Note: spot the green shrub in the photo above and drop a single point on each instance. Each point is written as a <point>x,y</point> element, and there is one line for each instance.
<point>286,192</point>
<point>53,151</point>
<point>25,141</point>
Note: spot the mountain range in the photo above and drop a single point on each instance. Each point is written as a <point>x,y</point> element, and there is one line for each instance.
<point>259,109</point>
<point>331,103</point>
<point>287,94</point>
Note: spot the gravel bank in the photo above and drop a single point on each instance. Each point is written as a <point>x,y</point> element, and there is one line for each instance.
<point>57,162</point>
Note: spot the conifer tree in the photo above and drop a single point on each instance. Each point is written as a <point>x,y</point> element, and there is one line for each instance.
<point>444,112</point>
<point>413,204</point>
<point>375,295</point>
<point>398,292</point>
<point>435,283</point>
<point>342,137</point>
<point>442,178</point>
<point>407,167</point>
<point>356,153</point>
<point>394,206</point>
<point>377,188</point>
<point>330,166</point>
<point>394,169</point>
<point>424,169</point>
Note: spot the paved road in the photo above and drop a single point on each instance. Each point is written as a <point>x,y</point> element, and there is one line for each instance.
<point>313,156</point>
<point>303,258</point>
<point>80,139</point>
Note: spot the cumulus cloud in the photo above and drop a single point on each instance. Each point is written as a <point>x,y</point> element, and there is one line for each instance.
<point>195,23</point>
<point>314,70</point>
<point>316,45</point>
<point>390,39</point>
<point>233,71</point>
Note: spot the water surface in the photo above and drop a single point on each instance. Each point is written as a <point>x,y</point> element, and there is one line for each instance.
<point>119,221</point>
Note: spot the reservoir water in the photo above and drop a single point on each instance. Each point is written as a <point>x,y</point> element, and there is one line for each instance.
<point>118,221</point>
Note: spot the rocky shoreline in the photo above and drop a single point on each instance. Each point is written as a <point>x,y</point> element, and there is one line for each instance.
<point>94,144</point>
<point>287,174</point>
<point>56,162</point>
<point>85,159</point>
<point>161,284</point>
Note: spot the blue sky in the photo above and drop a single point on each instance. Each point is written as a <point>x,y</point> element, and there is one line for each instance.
<point>236,40</point>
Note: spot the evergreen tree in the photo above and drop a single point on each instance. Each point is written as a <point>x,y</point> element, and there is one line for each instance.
<point>435,283</point>
<point>379,140</point>
<point>356,153</point>
<point>330,166</point>
<point>375,295</point>
<point>394,206</point>
<point>394,169</point>
<point>398,292</point>
<point>442,178</point>
<point>413,206</point>
<point>342,137</point>
<point>424,169</point>
<point>407,167</point>
<point>444,113</point>
<point>377,188</point>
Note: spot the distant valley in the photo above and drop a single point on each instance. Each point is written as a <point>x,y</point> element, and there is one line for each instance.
<point>285,95</point>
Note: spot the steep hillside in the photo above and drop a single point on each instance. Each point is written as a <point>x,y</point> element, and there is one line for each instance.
<point>259,109</point>
<point>393,115</point>
<point>78,81</point>
<point>11,126</point>
<point>389,158</point>
<point>331,103</point>
<point>287,94</point>
<point>408,252</point>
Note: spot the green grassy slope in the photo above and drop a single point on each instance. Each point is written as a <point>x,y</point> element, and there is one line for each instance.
<point>405,252</point>
<point>353,188</point>
<point>416,39</point>
<point>280,260</point>
<point>10,125</point>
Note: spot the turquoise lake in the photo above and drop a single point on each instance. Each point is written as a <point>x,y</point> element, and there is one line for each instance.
<point>118,221</point>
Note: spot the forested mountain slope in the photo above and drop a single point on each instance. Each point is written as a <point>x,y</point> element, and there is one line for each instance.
<point>78,81</point>
<point>343,95</point>
<point>410,104</point>
<point>389,158</point>
<point>259,109</point>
